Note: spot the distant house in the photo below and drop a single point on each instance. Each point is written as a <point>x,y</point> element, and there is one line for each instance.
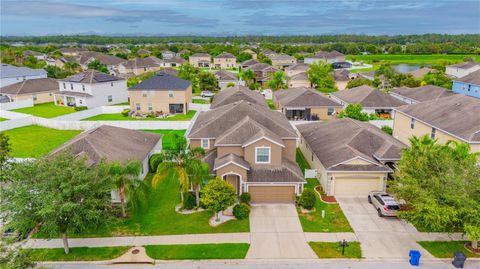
<point>225,60</point>
<point>173,62</point>
<point>91,89</point>
<point>40,90</point>
<point>39,56</point>
<point>325,56</point>
<point>225,77</point>
<point>468,85</point>
<point>169,70</point>
<point>371,99</point>
<point>236,94</point>
<point>305,104</point>
<point>10,74</point>
<point>251,52</point>
<point>282,60</point>
<point>144,52</point>
<point>168,54</point>
<point>342,77</point>
<point>462,69</point>
<point>113,144</point>
<point>139,66</point>
<point>262,72</point>
<point>420,73</point>
<point>72,51</point>
<point>454,117</point>
<point>299,80</point>
<point>298,68</point>
<point>249,63</point>
<point>420,94</point>
<point>200,60</point>
<point>161,93</point>
<point>112,62</point>
<point>268,52</point>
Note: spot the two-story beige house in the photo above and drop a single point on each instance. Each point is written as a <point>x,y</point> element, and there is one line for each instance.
<point>262,72</point>
<point>200,60</point>
<point>225,60</point>
<point>162,93</point>
<point>139,66</point>
<point>282,60</point>
<point>251,147</point>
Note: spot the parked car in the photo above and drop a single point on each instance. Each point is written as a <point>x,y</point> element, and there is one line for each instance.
<point>207,94</point>
<point>15,235</point>
<point>385,204</point>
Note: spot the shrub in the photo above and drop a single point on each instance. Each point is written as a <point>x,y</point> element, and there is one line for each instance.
<point>387,129</point>
<point>125,112</point>
<point>241,211</point>
<point>155,160</point>
<point>245,198</point>
<point>307,199</point>
<point>151,115</point>
<point>80,108</point>
<point>189,201</point>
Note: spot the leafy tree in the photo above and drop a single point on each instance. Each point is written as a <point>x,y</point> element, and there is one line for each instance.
<point>72,66</point>
<point>438,79</point>
<point>248,76</point>
<point>440,185</point>
<point>354,111</point>
<point>61,195</point>
<point>358,82</point>
<point>218,195</point>
<point>5,149</point>
<point>243,57</point>
<point>207,81</point>
<point>230,84</point>
<point>122,55</point>
<point>277,81</point>
<point>130,187</point>
<point>97,65</point>
<point>135,80</point>
<point>33,62</point>
<point>319,76</point>
<point>189,72</point>
<point>387,129</point>
<point>14,257</point>
<point>263,59</point>
<point>56,72</point>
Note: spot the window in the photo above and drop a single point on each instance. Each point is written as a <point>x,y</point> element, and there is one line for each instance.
<point>137,107</point>
<point>330,111</point>
<point>71,86</point>
<point>83,87</point>
<point>412,123</point>
<point>144,95</point>
<point>262,155</point>
<point>111,84</point>
<point>110,99</point>
<point>64,85</point>
<point>150,107</point>
<point>50,94</point>
<point>34,97</point>
<point>205,143</point>
<point>170,93</point>
<point>81,101</point>
<point>432,134</point>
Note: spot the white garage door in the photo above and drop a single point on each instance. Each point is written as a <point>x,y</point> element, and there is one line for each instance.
<point>356,186</point>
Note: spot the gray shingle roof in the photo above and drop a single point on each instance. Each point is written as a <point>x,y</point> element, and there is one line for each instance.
<point>424,93</point>
<point>277,57</point>
<point>162,81</point>
<point>259,67</point>
<point>298,66</point>
<point>10,71</point>
<point>472,78</point>
<point>457,114</point>
<point>249,62</point>
<point>327,54</point>
<point>230,158</point>
<point>341,75</point>
<point>92,76</point>
<point>31,86</point>
<point>300,77</point>
<point>200,55</point>
<point>110,143</point>
<point>101,57</point>
<point>235,94</point>
<point>287,172</point>
<point>303,97</point>
<point>225,55</point>
<point>225,75</point>
<point>465,65</point>
<point>150,61</point>
<point>368,97</point>
<point>340,140</point>
<point>419,73</point>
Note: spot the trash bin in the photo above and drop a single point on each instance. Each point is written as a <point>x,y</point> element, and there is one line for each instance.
<point>414,257</point>
<point>459,259</point>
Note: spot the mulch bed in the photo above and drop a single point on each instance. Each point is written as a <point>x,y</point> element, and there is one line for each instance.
<point>329,199</point>
<point>468,246</point>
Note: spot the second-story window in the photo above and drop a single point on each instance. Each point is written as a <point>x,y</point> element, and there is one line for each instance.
<point>150,107</point>
<point>205,143</point>
<point>83,87</point>
<point>71,86</point>
<point>262,155</point>
<point>412,123</point>
<point>64,85</point>
<point>137,107</point>
<point>170,94</point>
<point>433,133</point>
<point>109,98</point>
<point>330,111</point>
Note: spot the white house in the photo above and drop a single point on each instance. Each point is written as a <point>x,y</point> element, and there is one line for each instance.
<point>10,74</point>
<point>462,69</point>
<point>91,89</point>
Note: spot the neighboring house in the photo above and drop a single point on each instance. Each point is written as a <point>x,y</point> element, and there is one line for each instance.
<point>162,93</point>
<point>169,70</point>
<point>371,99</point>
<point>112,62</point>
<point>139,66</point>
<point>40,90</point>
<point>167,54</point>
<point>296,69</point>
<point>39,56</point>
<point>342,77</point>
<point>91,89</point>
<point>113,144</point>
<point>225,77</point>
<point>72,51</point>
<point>251,52</point>
<point>305,104</point>
<point>351,157</point>
<point>268,52</point>
<point>236,94</point>
<point>325,56</point>
<point>282,60</point>
<point>173,62</point>
<point>468,85</point>
<point>200,60</point>
<point>420,94</point>
<point>420,73</point>
<point>262,72</point>
<point>299,80</point>
<point>249,63</point>
<point>454,117</point>
<point>251,147</point>
<point>143,52</point>
<point>462,69</point>
<point>10,74</point>
<point>225,60</point>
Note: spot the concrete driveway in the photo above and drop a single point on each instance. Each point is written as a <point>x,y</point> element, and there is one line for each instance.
<point>276,233</point>
<point>379,237</point>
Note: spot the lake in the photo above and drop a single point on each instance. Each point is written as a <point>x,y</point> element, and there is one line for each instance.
<point>405,68</point>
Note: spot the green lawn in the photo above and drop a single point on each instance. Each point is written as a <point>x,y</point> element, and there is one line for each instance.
<point>412,58</point>
<point>3,119</point>
<point>445,249</point>
<point>46,110</point>
<point>119,116</point>
<point>122,104</point>
<point>200,101</point>
<point>35,141</point>
<point>329,250</point>
<point>168,136</point>
<point>335,220</point>
<point>302,163</point>
<point>197,252</point>
<point>77,254</point>
<point>270,104</point>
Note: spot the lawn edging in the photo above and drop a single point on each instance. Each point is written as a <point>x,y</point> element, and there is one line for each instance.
<point>445,249</point>
<point>331,250</point>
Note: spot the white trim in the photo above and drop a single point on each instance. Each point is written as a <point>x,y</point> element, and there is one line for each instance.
<point>260,138</point>
<point>240,183</point>
<point>354,158</point>
<point>269,155</point>
<point>208,143</point>
<point>360,172</point>
<point>232,162</point>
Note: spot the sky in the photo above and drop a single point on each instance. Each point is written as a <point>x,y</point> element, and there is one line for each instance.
<point>238,17</point>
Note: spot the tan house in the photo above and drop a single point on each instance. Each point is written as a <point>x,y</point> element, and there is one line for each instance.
<point>226,78</point>
<point>351,158</point>
<point>40,90</point>
<point>248,63</point>
<point>112,62</point>
<point>325,56</point>
<point>282,60</point>
<point>262,72</point>
<point>72,51</point>
<point>342,77</point>
<point>200,60</point>
<point>251,52</point>
<point>305,104</point>
<point>139,66</point>
<point>454,118</point>
<point>252,148</point>
<point>296,69</point>
<point>299,80</point>
<point>225,60</point>
<point>236,94</point>
<point>162,93</point>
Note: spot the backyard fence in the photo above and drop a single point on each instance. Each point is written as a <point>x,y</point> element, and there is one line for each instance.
<point>199,107</point>
<point>381,123</point>
<point>17,104</point>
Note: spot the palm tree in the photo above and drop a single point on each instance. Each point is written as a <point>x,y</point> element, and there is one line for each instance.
<point>130,187</point>
<point>199,173</point>
<point>248,76</point>
<point>277,81</point>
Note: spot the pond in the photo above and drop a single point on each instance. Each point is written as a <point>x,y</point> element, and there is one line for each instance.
<point>405,68</point>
